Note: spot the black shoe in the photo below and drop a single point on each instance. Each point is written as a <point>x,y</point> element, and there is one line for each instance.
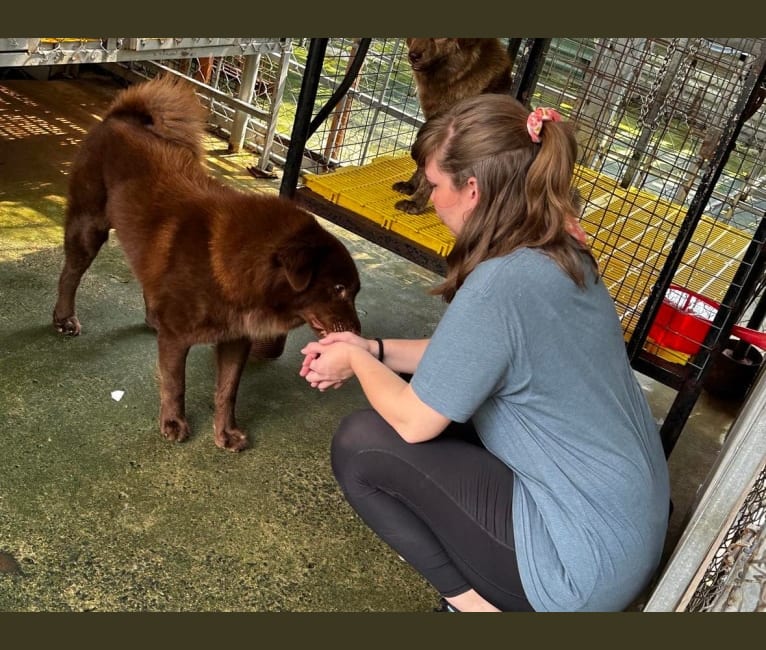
<point>444,606</point>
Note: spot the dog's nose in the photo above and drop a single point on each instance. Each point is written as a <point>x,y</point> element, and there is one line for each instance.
<point>414,57</point>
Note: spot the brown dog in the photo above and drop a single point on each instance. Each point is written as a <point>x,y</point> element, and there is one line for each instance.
<point>216,265</point>
<point>445,71</point>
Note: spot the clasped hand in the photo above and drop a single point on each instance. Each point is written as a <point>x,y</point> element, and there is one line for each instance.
<point>326,363</point>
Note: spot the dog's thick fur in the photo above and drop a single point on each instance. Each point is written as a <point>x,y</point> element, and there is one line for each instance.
<point>447,70</point>
<point>216,265</point>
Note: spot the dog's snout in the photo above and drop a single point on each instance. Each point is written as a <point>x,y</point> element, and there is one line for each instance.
<point>414,57</point>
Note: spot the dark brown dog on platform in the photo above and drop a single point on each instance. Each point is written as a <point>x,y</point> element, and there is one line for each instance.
<point>445,71</point>
<point>217,265</point>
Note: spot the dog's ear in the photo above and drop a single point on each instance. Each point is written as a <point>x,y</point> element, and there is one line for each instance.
<point>299,261</point>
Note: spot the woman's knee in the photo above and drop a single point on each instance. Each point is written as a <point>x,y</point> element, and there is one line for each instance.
<point>357,432</point>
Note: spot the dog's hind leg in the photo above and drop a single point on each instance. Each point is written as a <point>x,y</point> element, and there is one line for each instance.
<point>406,187</point>
<point>172,368</point>
<point>418,202</point>
<point>230,361</point>
<point>83,239</point>
<point>150,319</point>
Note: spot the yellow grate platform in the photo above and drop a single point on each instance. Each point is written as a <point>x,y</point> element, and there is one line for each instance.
<point>366,191</point>
<point>631,232</point>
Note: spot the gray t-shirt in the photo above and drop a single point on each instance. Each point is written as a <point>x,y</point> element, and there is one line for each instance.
<point>540,367</point>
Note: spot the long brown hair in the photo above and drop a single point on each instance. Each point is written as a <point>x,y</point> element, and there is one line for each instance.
<point>525,188</point>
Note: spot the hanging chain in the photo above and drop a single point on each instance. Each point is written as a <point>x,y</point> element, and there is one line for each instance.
<point>665,112</point>
<point>679,79</point>
<point>648,100</point>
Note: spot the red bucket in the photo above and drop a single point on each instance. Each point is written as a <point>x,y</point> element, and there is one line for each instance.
<point>684,319</point>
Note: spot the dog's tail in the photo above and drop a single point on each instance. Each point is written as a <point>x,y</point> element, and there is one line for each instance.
<point>166,106</point>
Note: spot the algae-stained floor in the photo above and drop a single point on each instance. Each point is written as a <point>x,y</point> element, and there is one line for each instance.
<point>97,510</point>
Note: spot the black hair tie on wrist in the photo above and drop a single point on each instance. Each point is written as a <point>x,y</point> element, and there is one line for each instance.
<point>380,348</point>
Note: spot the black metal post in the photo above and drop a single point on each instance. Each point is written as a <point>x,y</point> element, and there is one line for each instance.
<point>524,86</point>
<point>741,288</point>
<point>303,111</point>
<point>759,313</point>
<point>514,44</point>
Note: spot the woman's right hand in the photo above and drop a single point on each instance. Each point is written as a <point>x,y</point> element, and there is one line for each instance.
<point>334,337</point>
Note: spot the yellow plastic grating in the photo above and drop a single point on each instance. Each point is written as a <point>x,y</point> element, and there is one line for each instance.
<point>367,191</point>
<point>68,40</point>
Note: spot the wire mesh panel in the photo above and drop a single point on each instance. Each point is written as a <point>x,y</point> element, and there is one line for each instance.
<point>379,115</point>
<point>718,563</point>
<point>734,580</point>
<point>650,114</point>
<point>255,77</point>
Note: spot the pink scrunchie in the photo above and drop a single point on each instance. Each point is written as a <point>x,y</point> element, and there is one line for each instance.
<point>536,119</point>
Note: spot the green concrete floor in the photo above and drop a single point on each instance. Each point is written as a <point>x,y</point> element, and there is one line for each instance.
<point>98,511</point>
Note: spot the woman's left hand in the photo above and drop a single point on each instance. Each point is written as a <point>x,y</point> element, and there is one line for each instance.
<point>326,365</point>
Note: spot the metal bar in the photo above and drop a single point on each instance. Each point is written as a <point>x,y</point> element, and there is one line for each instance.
<point>302,121</point>
<point>656,368</point>
<point>223,97</point>
<point>336,134</point>
<point>373,232</point>
<point>648,126</point>
<point>733,303</point>
<point>759,313</point>
<point>276,102</point>
<point>525,86</point>
<point>64,53</point>
<point>514,44</point>
<point>246,88</point>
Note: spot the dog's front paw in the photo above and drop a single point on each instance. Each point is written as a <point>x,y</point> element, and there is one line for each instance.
<point>231,439</point>
<point>175,429</point>
<point>68,325</point>
<point>403,187</point>
<point>410,207</point>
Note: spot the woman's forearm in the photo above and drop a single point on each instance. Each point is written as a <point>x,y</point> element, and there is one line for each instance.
<point>393,398</point>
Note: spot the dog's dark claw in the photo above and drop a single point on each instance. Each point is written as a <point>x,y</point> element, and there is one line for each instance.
<point>68,326</point>
<point>232,440</point>
<point>175,430</point>
<point>410,207</point>
<point>403,187</point>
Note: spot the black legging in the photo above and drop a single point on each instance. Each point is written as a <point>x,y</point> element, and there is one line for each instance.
<point>442,505</point>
